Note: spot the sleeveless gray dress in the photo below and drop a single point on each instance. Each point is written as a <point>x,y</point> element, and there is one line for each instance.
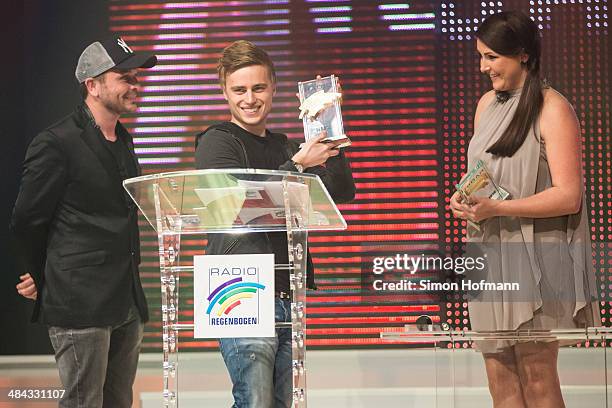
<point>550,258</point>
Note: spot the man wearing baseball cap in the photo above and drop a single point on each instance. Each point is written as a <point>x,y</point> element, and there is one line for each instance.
<point>77,232</point>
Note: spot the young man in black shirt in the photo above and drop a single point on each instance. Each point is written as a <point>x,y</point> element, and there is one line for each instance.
<point>260,368</point>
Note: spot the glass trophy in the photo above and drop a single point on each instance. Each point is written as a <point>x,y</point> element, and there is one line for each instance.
<point>320,109</point>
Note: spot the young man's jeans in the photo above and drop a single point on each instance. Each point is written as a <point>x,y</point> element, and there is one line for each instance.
<point>97,365</point>
<point>260,368</point>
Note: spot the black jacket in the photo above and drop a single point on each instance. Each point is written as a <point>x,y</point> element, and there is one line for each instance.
<point>75,228</point>
<point>220,147</point>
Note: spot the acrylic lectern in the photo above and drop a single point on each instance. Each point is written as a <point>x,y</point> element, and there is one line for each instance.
<point>233,201</point>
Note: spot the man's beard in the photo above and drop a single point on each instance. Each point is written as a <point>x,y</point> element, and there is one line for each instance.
<point>116,106</point>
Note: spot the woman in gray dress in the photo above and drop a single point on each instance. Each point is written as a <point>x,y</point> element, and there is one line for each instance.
<point>529,138</point>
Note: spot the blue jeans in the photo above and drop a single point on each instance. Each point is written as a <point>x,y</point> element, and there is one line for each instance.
<point>97,365</point>
<point>260,367</point>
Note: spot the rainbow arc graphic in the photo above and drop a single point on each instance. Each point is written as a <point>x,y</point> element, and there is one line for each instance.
<point>228,295</point>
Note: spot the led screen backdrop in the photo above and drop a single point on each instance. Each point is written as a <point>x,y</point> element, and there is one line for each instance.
<point>410,75</point>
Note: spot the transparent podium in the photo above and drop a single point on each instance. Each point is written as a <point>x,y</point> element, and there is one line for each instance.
<point>233,201</point>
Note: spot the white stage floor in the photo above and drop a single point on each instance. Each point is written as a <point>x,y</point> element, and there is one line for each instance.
<point>339,379</point>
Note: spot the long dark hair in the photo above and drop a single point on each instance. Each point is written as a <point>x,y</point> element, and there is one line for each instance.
<point>512,33</point>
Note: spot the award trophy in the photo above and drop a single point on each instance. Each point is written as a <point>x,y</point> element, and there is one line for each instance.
<point>320,109</point>
<point>478,183</point>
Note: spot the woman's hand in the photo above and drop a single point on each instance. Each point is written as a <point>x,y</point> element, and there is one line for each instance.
<point>481,209</point>
<point>457,206</point>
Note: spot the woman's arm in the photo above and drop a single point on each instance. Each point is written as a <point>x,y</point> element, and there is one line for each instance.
<point>455,201</point>
<point>483,103</point>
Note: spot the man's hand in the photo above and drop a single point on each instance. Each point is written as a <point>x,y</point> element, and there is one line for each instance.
<point>314,152</point>
<point>26,287</point>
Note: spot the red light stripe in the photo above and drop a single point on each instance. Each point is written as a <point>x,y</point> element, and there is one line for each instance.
<point>194,344</point>
<point>376,143</point>
<point>135,27</point>
<point>390,206</point>
<point>396,184</point>
<point>377,134</point>
<point>378,49</point>
<point>132,7</point>
<point>396,153</point>
<point>405,111</point>
<point>368,309</point>
<point>343,249</point>
<point>404,216</point>
<point>422,121</point>
<point>363,71</point>
<point>398,90</point>
<point>392,174</point>
<point>378,101</point>
<point>372,237</point>
<point>354,330</point>
<point>360,320</point>
<point>386,227</point>
<point>369,298</point>
<point>310,342</point>
<point>397,163</point>
<point>421,246</point>
<point>136,17</point>
<point>184,343</point>
<point>348,259</point>
<point>398,194</point>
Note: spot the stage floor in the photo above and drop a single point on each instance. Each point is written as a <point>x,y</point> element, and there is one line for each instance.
<point>339,379</point>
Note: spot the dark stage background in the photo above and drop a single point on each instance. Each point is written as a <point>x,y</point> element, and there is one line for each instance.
<point>410,75</point>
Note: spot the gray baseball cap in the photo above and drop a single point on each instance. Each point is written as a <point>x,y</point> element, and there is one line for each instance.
<point>99,57</point>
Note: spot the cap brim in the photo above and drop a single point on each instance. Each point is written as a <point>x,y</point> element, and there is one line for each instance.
<point>138,61</point>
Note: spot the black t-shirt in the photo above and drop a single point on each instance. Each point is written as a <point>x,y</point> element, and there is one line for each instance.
<point>127,169</point>
<point>263,152</point>
<point>125,164</point>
